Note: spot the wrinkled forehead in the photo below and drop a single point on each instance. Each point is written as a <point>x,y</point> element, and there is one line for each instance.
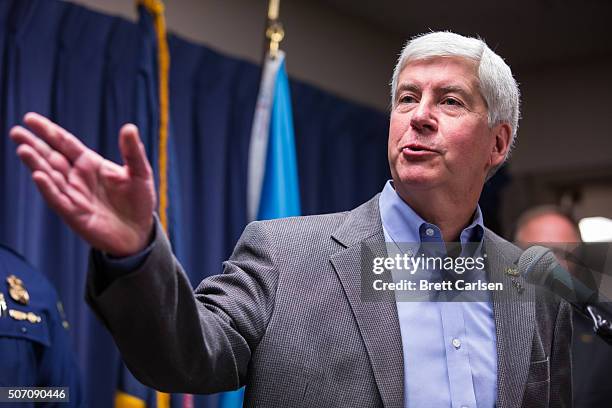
<point>441,71</point>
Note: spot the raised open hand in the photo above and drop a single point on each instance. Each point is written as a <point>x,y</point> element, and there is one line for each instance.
<point>109,205</point>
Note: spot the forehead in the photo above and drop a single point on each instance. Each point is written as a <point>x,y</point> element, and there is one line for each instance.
<point>441,72</point>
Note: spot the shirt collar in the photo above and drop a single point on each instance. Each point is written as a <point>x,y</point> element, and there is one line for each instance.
<point>403,224</point>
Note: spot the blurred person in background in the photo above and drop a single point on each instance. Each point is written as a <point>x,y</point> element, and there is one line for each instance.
<point>557,229</point>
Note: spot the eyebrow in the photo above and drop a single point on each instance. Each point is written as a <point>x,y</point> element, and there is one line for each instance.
<point>411,87</point>
<point>456,89</point>
<point>407,87</point>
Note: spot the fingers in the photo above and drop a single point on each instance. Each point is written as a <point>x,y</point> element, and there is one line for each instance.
<point>35,162</point>
<point>57,150</point>
<point>52,194</point>
<point>133,152</point>
<point>57,137</point>
<point>55,159</point>
<point>73,193</point>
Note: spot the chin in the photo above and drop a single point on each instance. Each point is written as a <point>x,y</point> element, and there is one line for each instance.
<point>417,179</point>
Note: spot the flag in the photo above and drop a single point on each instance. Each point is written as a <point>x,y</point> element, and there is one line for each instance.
<point>273,188</point>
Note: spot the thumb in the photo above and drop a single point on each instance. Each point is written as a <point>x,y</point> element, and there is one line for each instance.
<point>133,152</point>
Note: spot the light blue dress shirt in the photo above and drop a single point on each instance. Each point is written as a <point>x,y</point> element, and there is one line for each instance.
<point>449,348</point>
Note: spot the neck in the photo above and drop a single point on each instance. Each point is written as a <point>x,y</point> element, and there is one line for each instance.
<point>451,212</point>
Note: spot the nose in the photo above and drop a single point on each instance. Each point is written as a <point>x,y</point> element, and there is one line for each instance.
<point>423,118</point>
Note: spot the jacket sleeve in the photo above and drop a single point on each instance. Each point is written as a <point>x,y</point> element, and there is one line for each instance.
<point>175,340</point>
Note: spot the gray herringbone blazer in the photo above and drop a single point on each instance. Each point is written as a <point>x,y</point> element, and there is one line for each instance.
<point>286,319</point>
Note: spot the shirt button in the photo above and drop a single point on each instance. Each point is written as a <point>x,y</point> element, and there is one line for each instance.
<point>456,343</point>
<point>429,232</point>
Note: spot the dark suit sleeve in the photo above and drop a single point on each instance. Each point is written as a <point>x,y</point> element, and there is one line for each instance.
<point>561,359</point>
<point>176,340</point>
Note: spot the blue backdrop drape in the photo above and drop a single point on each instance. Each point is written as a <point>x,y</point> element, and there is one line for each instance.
<point>91,73</point>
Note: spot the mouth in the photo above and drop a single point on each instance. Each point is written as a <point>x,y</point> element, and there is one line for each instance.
<point>415,148</point>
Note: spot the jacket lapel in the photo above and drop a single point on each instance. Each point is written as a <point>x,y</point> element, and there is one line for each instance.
<point>514,310</point>
<point>514,314</point>
<point>363,238</point>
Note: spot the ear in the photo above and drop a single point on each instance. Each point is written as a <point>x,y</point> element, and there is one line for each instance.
<point>502,134</point>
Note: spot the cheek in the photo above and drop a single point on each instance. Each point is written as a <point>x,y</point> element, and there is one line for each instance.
<point>464,158</point>
<point>473,142</point>
<point>396,131</point>
<point>397,126</point>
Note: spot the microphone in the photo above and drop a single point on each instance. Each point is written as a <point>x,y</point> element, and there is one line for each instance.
<point>539,266</point>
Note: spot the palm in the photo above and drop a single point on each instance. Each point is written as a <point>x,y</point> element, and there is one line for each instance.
<point>109,205</point>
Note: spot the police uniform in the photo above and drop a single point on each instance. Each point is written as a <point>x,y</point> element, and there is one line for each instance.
<point>35,346</point>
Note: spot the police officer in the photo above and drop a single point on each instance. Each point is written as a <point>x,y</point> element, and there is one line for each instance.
<point>35,347</point>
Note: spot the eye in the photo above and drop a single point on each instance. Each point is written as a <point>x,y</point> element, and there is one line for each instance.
<point>451,102</point>
<point>407,99</point>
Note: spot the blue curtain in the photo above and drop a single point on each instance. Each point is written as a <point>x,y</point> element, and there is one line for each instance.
<point>91,73</point>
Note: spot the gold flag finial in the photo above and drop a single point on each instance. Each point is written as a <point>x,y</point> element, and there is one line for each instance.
<point>275,32</point>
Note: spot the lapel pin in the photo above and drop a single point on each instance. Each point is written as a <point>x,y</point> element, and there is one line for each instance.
<point>17,290</point>
<point>512,271</point>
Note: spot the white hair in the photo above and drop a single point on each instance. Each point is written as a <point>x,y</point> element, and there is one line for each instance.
<point>496,83</point>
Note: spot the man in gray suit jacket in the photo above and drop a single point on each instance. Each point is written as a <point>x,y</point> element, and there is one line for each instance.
<point>288,317</point>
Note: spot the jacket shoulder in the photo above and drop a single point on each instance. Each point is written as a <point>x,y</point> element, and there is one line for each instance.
<point>8,252</point>
<point>509,250</point>
<point>302,227</point>
<point>13,263</point>
<point>346,226</point>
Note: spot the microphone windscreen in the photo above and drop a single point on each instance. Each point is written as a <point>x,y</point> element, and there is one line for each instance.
<point>535,264</point>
